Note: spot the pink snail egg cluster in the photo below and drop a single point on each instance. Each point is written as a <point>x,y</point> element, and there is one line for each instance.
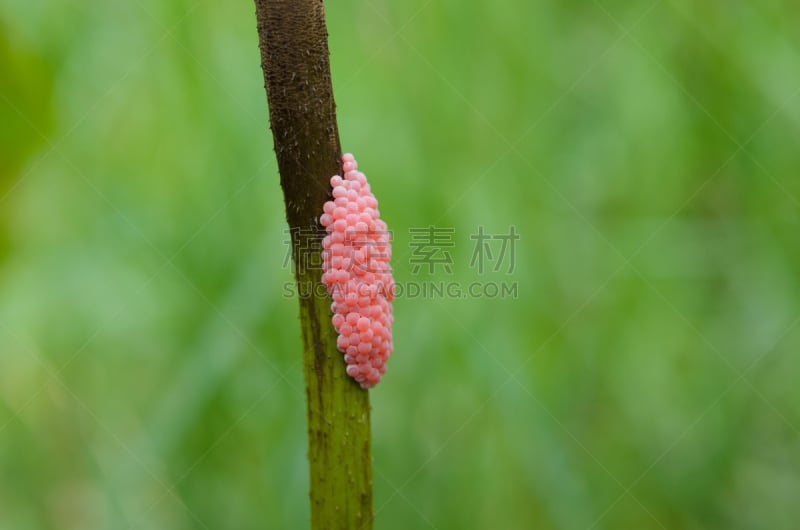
<point>356,272</point>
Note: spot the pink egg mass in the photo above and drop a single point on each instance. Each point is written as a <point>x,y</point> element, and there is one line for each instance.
<point>355,263</point>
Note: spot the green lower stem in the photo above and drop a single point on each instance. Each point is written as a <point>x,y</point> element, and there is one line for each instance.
<point>339,448</point>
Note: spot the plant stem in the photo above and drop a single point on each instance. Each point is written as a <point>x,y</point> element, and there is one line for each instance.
<point>294,57</point>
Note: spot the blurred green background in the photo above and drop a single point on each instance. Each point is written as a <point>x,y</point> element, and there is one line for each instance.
<point>645,377</point>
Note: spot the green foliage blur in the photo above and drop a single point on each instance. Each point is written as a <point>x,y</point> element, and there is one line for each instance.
<point>644,377</point>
